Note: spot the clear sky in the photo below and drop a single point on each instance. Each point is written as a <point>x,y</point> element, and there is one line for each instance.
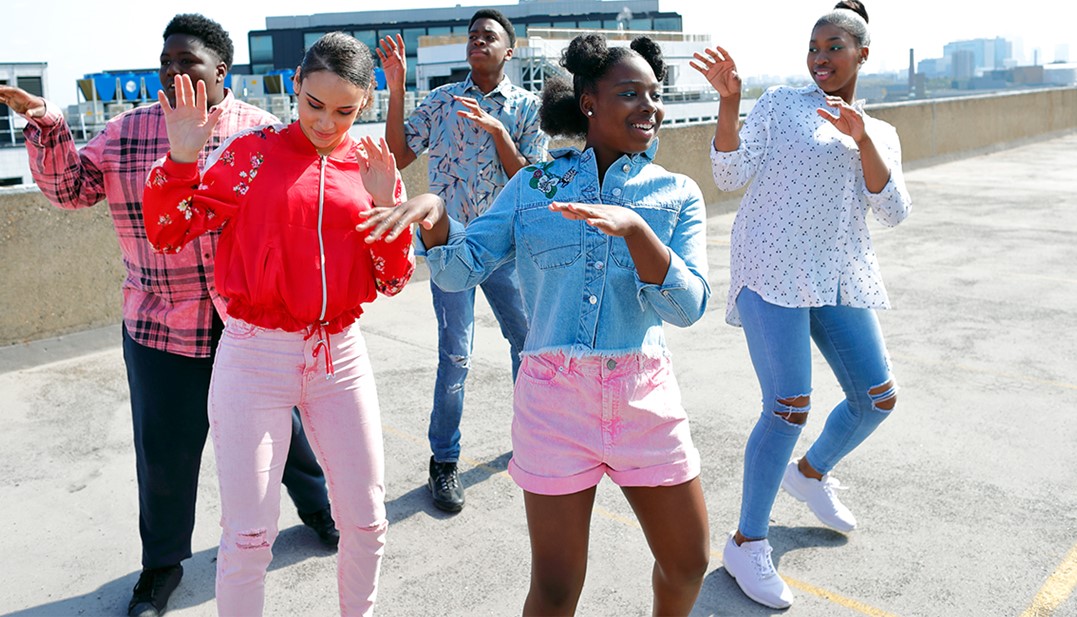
<point>765,38</point>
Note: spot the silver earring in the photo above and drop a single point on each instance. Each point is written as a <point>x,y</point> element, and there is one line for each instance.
<point>590,113</point>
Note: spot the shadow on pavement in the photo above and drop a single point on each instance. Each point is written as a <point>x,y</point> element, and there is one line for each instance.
<point>720,594</point>
<point>418,499</point>
<point>293,545</point>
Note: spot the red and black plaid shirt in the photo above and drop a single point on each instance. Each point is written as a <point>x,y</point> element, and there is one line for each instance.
<point>168,300</point>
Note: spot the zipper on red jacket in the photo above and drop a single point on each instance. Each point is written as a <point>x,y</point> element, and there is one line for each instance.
<point>323,340</point>
<point>321,240</point>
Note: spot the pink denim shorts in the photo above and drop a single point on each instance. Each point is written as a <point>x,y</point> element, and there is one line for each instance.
<point>577,419</point>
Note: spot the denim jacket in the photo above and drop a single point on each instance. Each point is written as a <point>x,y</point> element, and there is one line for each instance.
<point>579,285</point>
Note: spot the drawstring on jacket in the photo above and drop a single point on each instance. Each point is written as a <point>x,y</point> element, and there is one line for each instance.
<point>322,343</point>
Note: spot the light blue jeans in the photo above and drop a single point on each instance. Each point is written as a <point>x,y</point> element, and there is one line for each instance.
<point>779,342</point>
<point>455,312</point>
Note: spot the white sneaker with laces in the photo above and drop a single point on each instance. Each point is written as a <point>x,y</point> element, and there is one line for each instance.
<point>820,497</point>
<point>750,565</point>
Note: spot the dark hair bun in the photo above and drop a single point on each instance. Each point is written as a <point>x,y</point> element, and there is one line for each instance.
<point>652,53</point>
<point>586,56</point>
<point>855,6</point>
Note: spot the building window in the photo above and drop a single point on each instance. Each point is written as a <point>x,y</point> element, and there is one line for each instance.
<point>411,39</point>
<point>310,38</point>
<point>667,24</point>
<point>368,37</point>
<point>31,84</point>
<point>261,48</point>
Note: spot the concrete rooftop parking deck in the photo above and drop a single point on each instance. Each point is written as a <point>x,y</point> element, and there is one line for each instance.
<point>966,497</point>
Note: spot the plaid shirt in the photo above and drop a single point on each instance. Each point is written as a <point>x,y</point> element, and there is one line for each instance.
<point>168,300</point>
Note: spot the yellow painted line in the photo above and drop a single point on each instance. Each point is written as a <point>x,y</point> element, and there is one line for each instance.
<point>830,596</point>
<point>1002,374</point>
<point>1057,589</point>
<point>628,521</point>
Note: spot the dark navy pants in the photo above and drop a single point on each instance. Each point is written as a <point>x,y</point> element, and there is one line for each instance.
<point>168,412</point>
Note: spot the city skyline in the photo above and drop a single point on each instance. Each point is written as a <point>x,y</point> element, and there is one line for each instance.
<point>761,45</point>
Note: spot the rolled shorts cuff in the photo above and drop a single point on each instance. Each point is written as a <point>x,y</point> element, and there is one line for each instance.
<point>667,474</point>
<point>547,485</point>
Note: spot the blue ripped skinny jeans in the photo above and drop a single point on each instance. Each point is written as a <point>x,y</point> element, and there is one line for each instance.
<point>455,311</point>
<point>779,342</point>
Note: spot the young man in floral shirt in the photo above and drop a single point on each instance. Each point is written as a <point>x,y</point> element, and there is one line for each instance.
<point>479,133</point>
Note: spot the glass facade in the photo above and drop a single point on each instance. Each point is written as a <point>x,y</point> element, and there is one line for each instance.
<point>284,47</point>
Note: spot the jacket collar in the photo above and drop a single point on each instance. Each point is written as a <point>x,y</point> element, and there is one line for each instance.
<point>638,157</point>
<point>293,133</point>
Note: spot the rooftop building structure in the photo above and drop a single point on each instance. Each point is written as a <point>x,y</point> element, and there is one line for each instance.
<point>284,41</point>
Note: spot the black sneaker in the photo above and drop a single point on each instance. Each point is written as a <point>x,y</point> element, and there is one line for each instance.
<point>322,524</point>
<point>445,486</point>
<point>152,591</point>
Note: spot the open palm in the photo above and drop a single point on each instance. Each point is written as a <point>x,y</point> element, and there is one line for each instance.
<point>848,120</point>
<point>393,60</point>
<point>189,125</point>
<point>377,166</point>
<point>719,69</point>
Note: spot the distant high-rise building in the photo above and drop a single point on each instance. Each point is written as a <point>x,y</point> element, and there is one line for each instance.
<point>962,65</point>
<point>987,54</point>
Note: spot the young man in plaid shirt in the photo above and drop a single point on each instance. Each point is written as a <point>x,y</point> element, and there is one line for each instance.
<point>171,311</point>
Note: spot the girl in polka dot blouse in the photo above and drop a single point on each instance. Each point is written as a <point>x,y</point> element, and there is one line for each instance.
<point>803,269</point>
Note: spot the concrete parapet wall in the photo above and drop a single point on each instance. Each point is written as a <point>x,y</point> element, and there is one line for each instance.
<point>942,129</point>
<point>61,271</point>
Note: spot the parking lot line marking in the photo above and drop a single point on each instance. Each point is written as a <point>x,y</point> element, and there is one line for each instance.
<point>849,603</point>
<point>628,521</point>
<point>1057,589</point>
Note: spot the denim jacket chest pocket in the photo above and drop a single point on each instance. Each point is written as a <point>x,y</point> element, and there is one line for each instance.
<point>548,238</point>
<point>661,217</point>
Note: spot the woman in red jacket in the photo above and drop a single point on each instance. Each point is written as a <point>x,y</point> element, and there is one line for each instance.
<point>294,272</point>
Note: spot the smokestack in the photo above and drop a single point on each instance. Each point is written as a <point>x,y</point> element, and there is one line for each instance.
<point>912,69</point>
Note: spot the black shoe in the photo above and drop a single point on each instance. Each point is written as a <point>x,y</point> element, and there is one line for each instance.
<point>445,486</point>
<point>322,524</point>
<point>152,591</point>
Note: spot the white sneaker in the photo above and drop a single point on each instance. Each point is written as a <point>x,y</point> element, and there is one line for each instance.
<point>820,497</point>
<point>750,565</point>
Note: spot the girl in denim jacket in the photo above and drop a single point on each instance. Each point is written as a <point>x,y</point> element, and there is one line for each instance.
<point>608,246</point>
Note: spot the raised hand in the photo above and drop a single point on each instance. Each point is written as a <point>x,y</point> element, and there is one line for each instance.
<point>189,125</point>
<point>22,102</point>
<point>719,69</point>
<point>847,120</point>
<point>476,114</point>
<point>611,220</point>
<point>377,166</point>
<point>394,62</point>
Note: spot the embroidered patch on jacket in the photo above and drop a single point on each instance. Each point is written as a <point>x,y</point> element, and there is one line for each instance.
<point>547,182</point>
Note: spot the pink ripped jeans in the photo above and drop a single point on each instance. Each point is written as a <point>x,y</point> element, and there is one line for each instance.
<point>258,376</point>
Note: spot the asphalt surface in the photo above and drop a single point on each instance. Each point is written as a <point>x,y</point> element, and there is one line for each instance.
<point>966,496</point>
